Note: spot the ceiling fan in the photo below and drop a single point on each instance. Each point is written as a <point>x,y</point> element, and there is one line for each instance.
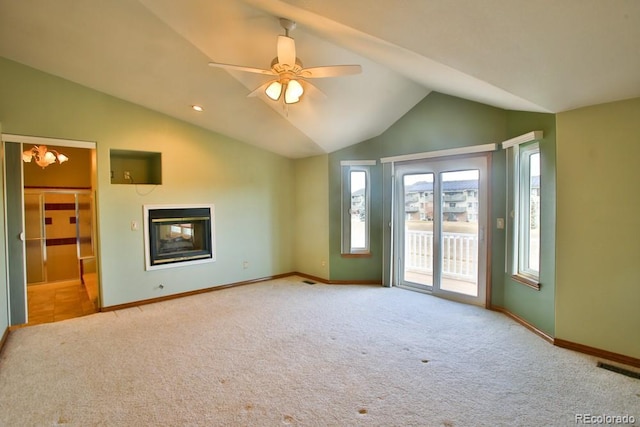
<point>290,82</point>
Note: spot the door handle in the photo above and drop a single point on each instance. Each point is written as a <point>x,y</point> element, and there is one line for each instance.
<point>21,236</point>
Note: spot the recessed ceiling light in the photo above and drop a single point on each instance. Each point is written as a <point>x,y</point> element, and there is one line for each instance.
<point>197,108</point>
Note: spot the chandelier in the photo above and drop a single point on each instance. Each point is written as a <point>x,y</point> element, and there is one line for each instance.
<point>43,156</point>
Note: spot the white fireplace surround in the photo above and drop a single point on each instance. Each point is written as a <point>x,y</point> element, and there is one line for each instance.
<point>183,263</point>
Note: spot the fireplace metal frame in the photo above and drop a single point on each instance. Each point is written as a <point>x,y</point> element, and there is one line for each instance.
<point>180,262</point>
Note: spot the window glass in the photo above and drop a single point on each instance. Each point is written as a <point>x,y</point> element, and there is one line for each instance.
<point>358,186</point>
<point>355,213</point>
<point>528,213</point>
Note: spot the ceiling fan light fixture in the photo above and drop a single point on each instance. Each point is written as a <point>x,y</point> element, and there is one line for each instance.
<point>294,92</point>
<point>274,90</point>
<point>288,73</point>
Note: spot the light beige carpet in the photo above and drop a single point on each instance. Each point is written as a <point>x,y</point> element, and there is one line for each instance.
<point>287,353</point>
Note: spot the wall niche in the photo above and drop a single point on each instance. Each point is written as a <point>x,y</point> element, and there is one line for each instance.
<point>135,167</point>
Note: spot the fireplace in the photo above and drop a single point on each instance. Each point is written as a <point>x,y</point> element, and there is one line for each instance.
<point>178,235</point>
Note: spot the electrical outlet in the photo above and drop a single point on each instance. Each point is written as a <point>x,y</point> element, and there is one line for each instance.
<point>245,265</point>
<point>323,263</point>
<point>500,223</point>
<point>127,175</point>
<point>134,225</point>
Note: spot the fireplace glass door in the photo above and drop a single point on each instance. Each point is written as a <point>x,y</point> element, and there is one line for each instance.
<point>179,235</point>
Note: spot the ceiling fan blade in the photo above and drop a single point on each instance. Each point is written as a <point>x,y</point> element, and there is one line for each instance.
<point>330,71</point>
<point>286,51</point>
<point>312,91</point>
<point>242,68</point>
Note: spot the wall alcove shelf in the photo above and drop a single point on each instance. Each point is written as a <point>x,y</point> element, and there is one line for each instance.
<point>135,167</point>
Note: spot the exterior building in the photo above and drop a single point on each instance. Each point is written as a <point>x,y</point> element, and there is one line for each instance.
<point>460,201</point>
<point>358,204</point>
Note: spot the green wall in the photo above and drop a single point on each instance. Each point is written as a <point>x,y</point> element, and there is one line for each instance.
<point>598,243</point>
<point>369,268</point>
<point>442,122</point>
<point>273,212</point>
<point>535,306</point>
<point>4,284</point>
<point>252,189</point>
<point>438,122</point>
<point>311,240</point>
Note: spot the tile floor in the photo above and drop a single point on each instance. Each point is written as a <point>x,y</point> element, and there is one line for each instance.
<point>51,302</point>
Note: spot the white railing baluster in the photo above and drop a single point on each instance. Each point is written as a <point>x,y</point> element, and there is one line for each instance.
<point>459,254</point>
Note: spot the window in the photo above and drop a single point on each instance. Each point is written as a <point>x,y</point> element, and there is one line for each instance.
<point>527,214</point>
<point>523,168</point>
<point>355,207</point>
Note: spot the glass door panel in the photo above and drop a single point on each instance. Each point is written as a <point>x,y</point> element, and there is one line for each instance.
<point>34,239</point>
<point>85,225</point>
<point>418,228</point>
<point>60,229</point>
<point>460,231</point>
<point>441,214</point>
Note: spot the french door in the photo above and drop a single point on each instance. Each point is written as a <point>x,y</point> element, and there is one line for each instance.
<point>440,227</point>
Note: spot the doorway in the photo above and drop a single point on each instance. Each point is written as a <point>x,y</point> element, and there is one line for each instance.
<point>53,274</point>
<point>440,227</point>
<point>59,254</point>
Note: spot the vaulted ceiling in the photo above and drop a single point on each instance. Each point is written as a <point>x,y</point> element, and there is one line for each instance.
<point>532,55</point>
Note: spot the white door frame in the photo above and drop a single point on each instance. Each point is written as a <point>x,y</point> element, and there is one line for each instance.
<point>437,165</point>
<point>17,294</point>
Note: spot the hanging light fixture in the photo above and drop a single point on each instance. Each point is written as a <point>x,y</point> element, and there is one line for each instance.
<point>274,90</point>
<point>291,88</point>
<point>289,77</point>
<point>43,156</point>
<point>293,92</point>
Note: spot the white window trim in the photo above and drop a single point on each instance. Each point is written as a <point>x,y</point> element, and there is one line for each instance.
<point>357,163</point>
<point>536,135</point>
<point>526,278</point>
<point>521,231</point>
<point>472,149</point>
<point>348,167</point>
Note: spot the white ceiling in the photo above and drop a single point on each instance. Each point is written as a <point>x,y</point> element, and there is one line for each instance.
<point>532,55</point>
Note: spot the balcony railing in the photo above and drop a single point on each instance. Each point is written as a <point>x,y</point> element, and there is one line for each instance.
<point>459,254</point>
<point>454,209</point>
<point>455,198</point>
